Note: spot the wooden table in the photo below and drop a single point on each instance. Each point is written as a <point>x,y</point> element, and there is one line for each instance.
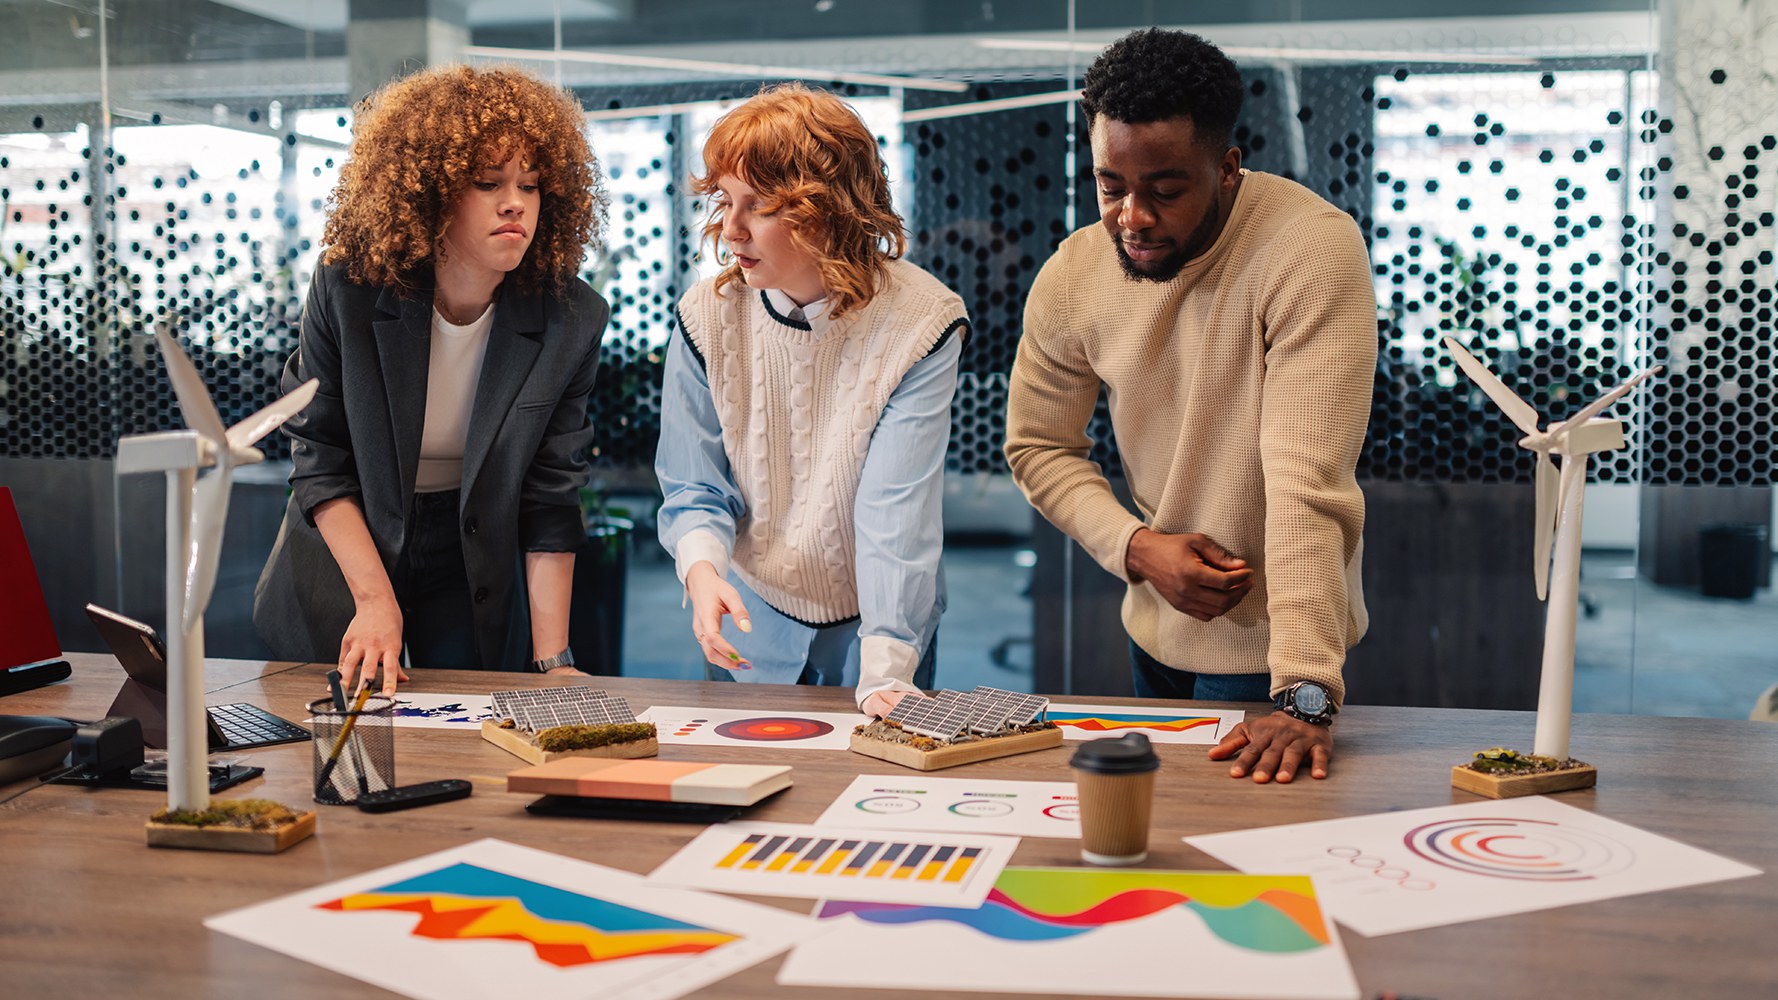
<point>88,909</point>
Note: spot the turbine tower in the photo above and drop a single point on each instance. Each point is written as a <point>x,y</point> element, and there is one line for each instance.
<point>1557,518</point>
<point>197,507</point>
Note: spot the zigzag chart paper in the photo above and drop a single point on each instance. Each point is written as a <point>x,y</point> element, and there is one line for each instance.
<point>495,919</point>
<point>1160,725</point>
<point>1092,933</point>
<point>1420,868</point>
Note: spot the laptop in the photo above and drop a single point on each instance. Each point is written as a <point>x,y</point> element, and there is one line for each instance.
<point>30,653</point>
<point>139,649</point>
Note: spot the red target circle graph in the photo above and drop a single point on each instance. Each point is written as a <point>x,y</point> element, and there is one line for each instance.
<point>1526,850</point>
<point>773,729</point>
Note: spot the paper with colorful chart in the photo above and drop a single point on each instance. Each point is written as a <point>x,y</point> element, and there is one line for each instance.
<point>1160,725</point>
<point>1092,933</point>
<point>727,727</point>
<point>814,862</point>
<point>492,919</point>
<point>1404,871</point>
<point>917,802</point>
<point>421,710</point>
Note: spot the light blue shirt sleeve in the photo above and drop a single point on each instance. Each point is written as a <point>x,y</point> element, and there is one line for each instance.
<point>899,522</point>
<point>697,487</point>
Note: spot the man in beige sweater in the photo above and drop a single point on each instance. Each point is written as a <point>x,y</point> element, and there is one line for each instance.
<point>1231,316</point>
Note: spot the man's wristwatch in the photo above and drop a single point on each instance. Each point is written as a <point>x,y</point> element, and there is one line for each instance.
<point>563,659</point>
<point>1308,701</point>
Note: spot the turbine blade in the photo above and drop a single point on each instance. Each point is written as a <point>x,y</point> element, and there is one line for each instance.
<point>269,419</point>
<point>1598,406</point>
<point>194,396</point>
<point>1549,506</point>
<point>209,514</point>
<point>1516,409</point>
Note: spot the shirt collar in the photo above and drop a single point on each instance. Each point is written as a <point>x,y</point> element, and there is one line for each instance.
<point>812,313</point>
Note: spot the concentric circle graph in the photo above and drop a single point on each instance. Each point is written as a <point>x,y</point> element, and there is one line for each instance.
<point>1527,850</point>
<point>773,729</point>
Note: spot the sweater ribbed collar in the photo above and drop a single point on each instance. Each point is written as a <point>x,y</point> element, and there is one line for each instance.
<point>807,324</point>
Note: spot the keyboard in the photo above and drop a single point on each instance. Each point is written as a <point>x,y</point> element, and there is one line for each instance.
<point>249,726</point>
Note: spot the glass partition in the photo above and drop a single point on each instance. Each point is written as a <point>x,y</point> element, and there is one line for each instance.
<point>1575,190</point>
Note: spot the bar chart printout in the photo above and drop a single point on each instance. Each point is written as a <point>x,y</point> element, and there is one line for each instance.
<point>833,863</point>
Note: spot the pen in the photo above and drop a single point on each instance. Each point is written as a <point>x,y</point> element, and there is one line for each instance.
<point>339,742</point>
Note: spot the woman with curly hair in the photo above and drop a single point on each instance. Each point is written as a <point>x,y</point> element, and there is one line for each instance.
<point>434,499</point>
<point>806,410</point>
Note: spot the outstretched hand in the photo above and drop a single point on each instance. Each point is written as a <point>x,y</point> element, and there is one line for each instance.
<point>1275,746</point>
<point>1191,572</point>
<point>711,598</point>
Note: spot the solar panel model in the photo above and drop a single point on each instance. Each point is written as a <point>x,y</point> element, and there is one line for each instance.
<point>957,727</point>
<point>545,724</point>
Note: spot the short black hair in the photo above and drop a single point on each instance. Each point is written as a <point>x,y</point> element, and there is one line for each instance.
<point>1154,74</point>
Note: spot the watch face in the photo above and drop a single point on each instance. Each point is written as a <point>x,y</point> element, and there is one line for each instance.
<point>1310,700</point>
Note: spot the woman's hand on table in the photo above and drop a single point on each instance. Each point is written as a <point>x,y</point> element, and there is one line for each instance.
<point>373,641</point>
<point>881,703</point>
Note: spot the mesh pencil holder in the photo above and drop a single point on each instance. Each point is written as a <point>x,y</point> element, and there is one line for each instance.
<point>354,750</point>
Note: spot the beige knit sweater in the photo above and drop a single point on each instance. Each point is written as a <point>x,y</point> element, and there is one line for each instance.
<point>799,402</point>
<point>1240,392</point>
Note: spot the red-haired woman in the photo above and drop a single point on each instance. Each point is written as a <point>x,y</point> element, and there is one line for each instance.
<point>434,496</point>
<point>806,410</point>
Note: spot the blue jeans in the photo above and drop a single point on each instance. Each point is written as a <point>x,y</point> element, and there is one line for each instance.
<point>1154,679</point>
<point>828,654</point>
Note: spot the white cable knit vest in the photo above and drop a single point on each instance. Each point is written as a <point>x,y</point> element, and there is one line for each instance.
<point>798,402</point>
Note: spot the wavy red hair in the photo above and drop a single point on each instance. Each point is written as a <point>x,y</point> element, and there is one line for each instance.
<point>812,161</point>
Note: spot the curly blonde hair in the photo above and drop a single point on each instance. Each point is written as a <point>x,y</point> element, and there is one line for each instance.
<point>420,141</point>
<point>811,160</point>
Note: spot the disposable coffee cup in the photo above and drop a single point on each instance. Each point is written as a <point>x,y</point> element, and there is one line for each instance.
<point>1114,780</point>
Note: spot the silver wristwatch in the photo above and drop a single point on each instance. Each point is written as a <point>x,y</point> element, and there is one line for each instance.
<point>1308,701</point>
<point>563,659</point>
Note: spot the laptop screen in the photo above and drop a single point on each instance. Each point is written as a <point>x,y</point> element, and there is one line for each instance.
<point>26,633</point>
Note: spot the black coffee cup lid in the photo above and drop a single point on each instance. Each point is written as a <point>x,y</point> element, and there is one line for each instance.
<point>1128,754</point>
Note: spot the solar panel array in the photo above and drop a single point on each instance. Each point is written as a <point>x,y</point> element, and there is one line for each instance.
<point>1021,709</point>
<point>546,708</point>
<point>941,718</point>
<point>950,714</point>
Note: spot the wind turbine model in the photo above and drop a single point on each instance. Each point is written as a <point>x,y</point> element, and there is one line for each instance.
<point>196,509</point>
<point>1558,518</point>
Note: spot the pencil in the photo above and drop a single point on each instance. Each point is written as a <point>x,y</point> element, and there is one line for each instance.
<point>339,742</point>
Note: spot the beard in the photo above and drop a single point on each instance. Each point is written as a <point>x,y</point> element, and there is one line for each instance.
<point>1168,267</point>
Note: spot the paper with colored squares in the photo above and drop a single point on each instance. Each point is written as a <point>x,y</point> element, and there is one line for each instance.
<point>790,859</point>
<point>492,919</point>
<point>1160,725</point>
<point>1092,932</point>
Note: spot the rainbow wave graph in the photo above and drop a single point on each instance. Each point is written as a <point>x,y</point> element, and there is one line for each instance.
<point>463,902</point>
<point>1272,914</point>
<point>1107,722</point>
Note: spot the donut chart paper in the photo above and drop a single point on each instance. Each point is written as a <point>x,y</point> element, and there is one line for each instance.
<point>1423,868</point>
<point>727,727</point>
<point>962,805</point>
